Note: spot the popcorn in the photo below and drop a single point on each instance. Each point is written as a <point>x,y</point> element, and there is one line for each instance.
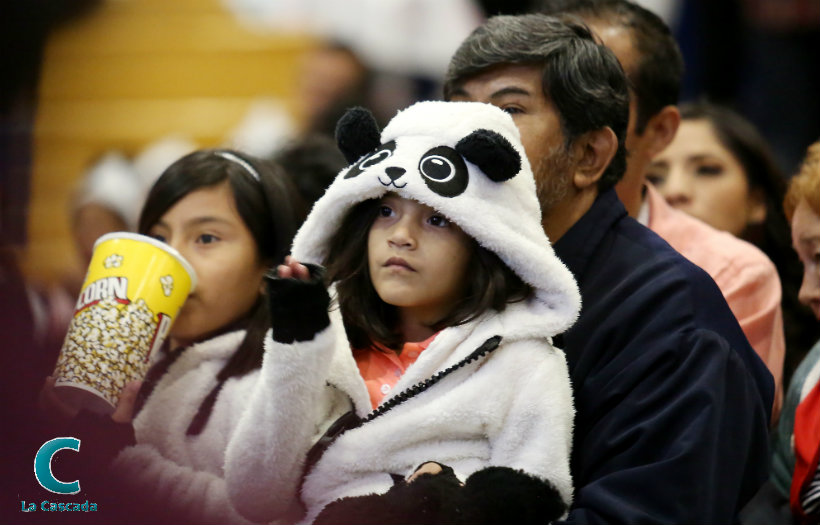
<point>107,346</point>
<point>167,285</point>
<point>113,261</point>
<point>134,288</point>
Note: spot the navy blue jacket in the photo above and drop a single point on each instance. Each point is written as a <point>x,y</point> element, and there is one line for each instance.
<point>672,402</point>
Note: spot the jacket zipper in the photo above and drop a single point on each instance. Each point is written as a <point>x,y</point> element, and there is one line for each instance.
<point>349,420</point>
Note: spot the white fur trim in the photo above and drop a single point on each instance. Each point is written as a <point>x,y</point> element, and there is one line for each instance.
<point>287,412</point>
<point>174,469</point>
<point>514,409</point>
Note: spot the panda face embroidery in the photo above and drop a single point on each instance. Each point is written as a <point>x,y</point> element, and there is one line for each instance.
<point>444,171</point>
<point>441,168</point>
<point>382,153</point>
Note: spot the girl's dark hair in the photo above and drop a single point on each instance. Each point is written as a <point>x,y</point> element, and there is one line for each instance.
<point>270,207</point>
<point>773,236</point>
<point>368,319</point>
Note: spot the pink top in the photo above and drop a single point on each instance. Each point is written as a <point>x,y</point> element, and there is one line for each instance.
<point>745,276</point>
<point>382,367</point>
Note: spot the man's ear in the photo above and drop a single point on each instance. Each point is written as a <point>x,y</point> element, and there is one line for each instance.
<point>593,151</point>
<point>661,129</point>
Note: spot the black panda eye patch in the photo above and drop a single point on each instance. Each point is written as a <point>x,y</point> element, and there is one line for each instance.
<point>377,157</point>
<point>444,171</point>
<point>437,168</point>
<point>383,152</point>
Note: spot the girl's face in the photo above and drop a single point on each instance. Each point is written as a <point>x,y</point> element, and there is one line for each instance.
<point>417,259</point>
<point>806,241</point>
<point>205,227</point>
<point>699,176</point>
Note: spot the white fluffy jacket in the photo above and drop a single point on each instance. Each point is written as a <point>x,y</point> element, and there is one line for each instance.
<point>512,408</point>
<point>180,472</point>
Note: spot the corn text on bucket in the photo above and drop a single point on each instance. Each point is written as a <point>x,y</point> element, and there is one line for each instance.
<point>133,291</point>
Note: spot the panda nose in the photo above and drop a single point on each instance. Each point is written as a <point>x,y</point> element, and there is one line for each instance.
<point>394,172</point>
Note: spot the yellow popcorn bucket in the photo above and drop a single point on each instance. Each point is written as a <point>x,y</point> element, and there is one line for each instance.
<point>133,291</point>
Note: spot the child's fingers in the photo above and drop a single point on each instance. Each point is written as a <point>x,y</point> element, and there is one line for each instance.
<point>431,467</point>
<point>292,269</point>
<point>300,271</point>
<point>125,406</point>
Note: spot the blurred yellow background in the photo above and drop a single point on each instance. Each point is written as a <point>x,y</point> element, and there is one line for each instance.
<point>131,72</point>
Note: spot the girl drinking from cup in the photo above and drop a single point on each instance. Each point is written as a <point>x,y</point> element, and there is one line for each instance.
<point>232,217</point>
<point>432,392</point>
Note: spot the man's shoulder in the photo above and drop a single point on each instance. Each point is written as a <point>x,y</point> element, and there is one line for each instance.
<point>629,276</point>
<point>636,254</point>
<point>638,285</point>
<point>646,311</point>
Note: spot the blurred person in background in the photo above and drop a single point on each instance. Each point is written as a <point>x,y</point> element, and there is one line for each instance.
<point>312,162</point>
<point>107,198</point>
<point>331,79</point>
<point>653,64</point>
<point>792,494</point>
<point>720,169</point>
<point>803,208</point>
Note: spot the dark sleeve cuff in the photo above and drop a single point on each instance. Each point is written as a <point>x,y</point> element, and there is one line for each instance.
<point>505,495</point>
<point>431,498</point>
<point>299,309</point>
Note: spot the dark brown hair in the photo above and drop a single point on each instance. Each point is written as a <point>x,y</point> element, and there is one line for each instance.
<point>269,205</point>
<point>490,284</point>
<point>581,77</point>
<point>656,75</point>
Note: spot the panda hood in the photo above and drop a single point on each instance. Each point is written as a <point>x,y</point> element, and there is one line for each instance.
<point>465,160</point>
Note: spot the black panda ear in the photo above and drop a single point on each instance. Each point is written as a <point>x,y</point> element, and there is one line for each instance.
<point>492,153</point>
<point>357,133</point>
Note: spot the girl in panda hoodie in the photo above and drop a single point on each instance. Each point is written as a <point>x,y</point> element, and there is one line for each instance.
<point>430,391</point>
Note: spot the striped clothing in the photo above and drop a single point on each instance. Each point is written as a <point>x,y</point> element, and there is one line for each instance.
<point>811,497</point>
<point>805,489</point>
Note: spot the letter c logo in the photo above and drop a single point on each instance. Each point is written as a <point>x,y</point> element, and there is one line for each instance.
<point>42,465</point>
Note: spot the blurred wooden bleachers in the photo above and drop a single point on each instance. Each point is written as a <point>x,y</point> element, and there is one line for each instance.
<point>129,73</point>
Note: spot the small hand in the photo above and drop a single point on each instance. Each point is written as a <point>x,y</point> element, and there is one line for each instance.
<point>431,467</point>
<point>125,406</point>
<point>293,269</point>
